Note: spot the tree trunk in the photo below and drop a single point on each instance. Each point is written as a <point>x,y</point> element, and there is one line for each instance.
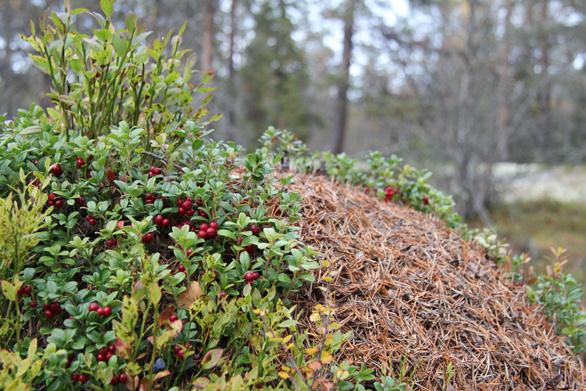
<point>231,68</point>
<point>207,46</point>
<point>504,87</point>
<point>341,115</point>
<point>545,95</point>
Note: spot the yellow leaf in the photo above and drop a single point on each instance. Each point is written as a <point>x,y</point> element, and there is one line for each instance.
<point>311,351</point>
<point>315,317</point>
<point>283,375</point>
<point>326,357</point>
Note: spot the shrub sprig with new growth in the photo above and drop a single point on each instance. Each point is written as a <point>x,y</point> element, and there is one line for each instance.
<point>143,253</point>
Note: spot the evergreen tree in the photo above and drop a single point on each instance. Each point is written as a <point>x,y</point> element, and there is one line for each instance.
<point>275,76</point>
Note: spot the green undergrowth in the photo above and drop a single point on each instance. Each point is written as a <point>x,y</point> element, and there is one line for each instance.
<point>138,253</point>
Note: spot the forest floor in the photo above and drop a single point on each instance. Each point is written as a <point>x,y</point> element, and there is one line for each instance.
<point>544,207</point>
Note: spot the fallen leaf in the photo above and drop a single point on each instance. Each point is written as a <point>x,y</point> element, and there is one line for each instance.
<point>187,298</point>
<point>200,383</point>
<point>212,358</point>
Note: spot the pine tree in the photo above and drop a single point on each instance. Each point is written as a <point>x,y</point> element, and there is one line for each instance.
<point>275,76</point>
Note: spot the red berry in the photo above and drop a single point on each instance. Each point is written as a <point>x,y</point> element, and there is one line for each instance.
<point>425,200</point>
<point>189,252</point>
<point>94,307</point>
<point>203,214</point>
<point>249,276</point>
<point>79,162</point>
<point>180,202</point>
<point>83,378</point>
<point>80,201</point>
<point>114,380</point>
<point>255,229</point>
<point>181,268</point>
<point>123,377</point>
<point>75,377</point>
<point>111,243</point>
<point>107,311</point>
<point>148,237</point>
<point>211,232</point>
<point>214,225</point>
<point>55,307</point>
<point>222,294</point>
<point>58,203</point>
<point>52,196</point>
<point>187,204</point>
<point>149,198</point>
<point>159,219</point>
<point>202,234</point>
<point>100,311</point>
<point>110,174</point>
<point>173,318</point>
<point>48,314</point>
<point>203,227</point>
<point>101,357</point>
<point>181,211</point>
<point>189,212</point>
<point>33,304</point>
<point>56,169</point>
<point>112,348</point>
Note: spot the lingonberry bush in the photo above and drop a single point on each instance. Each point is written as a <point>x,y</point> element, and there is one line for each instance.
<point>136,252</point>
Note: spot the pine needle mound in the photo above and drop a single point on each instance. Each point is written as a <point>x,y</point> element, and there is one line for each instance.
<point>420,300</point>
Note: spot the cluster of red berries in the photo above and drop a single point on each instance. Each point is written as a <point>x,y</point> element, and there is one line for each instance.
<point>105,353</point>
<point>79,162</point>
<point>121,378</point>
<point>111,243</point>
<point>54,200</point>
<point>56,169</point>
<point>250,277</point>
<point>389,193</point>
<point>179,352</point>
<point>101,311</point>
<point>80,377</point>
<point>91,220</point>
<point>208,231</point>
<point>52,309</point>
<point>185,207</point>
<point>149,198</point>
<point>162,221</point>
<point>24,290</point>
<point>154,171</point>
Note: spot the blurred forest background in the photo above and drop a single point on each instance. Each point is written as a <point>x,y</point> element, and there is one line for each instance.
<point>488,94</point>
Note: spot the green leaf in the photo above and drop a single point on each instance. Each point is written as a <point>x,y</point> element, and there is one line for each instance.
<point>107,7</point>
<point>155,293</point>
<point>288,323</point>
<point>8,290</point>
